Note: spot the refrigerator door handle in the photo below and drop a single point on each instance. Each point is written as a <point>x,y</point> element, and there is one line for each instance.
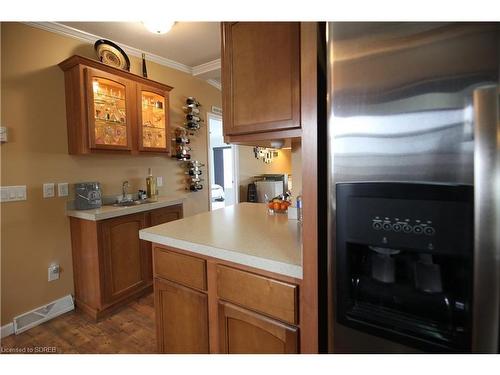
<point>486,309</point>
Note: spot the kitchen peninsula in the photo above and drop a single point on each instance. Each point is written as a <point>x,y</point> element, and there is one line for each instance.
<point>227,281</point>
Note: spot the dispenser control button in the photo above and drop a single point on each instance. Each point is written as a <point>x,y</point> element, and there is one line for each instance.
<point>417,229</point>
<point>407,228</point>
<point>387,226</point>
<point>430,231</point>
<point>377,225</point>
<point>396,227</point>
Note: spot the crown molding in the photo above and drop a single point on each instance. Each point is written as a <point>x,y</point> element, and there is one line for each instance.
<point>207,67</point>
<point>68,31</point>
<point>215,83</point>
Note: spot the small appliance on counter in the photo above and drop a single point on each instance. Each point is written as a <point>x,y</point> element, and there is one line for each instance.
<point>88,195</point>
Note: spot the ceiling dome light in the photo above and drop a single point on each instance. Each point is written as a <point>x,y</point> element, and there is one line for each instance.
<point>158,27</point>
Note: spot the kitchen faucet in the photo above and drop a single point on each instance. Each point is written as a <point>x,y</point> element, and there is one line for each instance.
<point>125,186</point>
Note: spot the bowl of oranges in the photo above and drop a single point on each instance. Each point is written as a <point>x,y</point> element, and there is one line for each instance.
<point>278,206</point>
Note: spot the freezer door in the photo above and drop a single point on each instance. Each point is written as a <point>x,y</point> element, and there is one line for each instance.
<point>487,221</point>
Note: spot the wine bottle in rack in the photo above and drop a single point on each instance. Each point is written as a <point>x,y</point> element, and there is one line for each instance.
<point>192,101</point>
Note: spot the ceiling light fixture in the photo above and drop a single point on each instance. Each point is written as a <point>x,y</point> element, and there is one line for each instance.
<point>158,26</point>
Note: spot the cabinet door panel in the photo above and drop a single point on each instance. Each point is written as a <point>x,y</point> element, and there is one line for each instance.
<point>245,332</point>
<point>181,319</point>
<point>153,119</point>
<point>110,110</point>
<point>261,76</point>
<point>165,214</point>
<point>124,255</point>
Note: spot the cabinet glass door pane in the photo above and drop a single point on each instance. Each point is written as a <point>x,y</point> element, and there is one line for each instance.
<point>153,120</point>
<point>110,112</point>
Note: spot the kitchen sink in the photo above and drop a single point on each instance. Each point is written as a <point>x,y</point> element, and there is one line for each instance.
<point>130,203</point>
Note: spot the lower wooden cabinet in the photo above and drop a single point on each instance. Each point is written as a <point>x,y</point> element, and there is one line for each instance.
<point>125,264</point>
<point>204,305</point>
<point>111,265</point>
<point>242,332</point>
<point>181,319</point>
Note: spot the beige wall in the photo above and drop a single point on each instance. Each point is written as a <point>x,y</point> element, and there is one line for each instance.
<point>249,166</point>
<point>35,233</point>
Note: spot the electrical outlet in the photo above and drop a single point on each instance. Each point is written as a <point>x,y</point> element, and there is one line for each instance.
<point>54,272</point>
<point>62,189</point>
<point>159,181</point>
<point>49,190</point>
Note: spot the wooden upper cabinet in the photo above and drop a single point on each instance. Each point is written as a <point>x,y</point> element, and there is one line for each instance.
<point>153,118</point>
<point>245,332</point>
<point>260,77</point>
<point>110,109</point>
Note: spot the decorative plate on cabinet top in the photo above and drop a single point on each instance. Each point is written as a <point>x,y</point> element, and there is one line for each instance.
<point>110,54</point>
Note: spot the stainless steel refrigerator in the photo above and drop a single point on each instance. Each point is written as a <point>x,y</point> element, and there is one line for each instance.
<point>413,141</point>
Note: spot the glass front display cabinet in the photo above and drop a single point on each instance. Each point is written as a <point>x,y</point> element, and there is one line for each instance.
<point>152,119</point>
<point>109,111</point>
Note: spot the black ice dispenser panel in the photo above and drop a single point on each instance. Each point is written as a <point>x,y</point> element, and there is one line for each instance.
<point>404,262</point>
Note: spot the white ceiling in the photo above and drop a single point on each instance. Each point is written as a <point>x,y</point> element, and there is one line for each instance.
<point>188,43</point>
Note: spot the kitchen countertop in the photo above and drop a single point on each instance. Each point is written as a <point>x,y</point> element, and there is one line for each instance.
<point>245,234</point>
<point>106,212</point>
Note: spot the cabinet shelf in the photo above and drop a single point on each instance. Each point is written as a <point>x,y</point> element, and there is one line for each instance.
<point>109,122</point>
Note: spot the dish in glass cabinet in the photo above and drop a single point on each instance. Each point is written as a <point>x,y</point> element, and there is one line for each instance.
<point>110,54</point>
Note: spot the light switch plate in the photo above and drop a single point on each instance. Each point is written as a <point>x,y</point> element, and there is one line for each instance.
<point>3,134</point>
<point>62,189</point>
<point>159,181</point>
<point>49,190</point>
<point>13,193</point>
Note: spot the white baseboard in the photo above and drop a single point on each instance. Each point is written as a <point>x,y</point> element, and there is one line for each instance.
<point>7,330</point>
<point>41,314</point>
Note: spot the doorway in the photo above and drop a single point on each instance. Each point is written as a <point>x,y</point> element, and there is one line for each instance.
<point>223,166</point>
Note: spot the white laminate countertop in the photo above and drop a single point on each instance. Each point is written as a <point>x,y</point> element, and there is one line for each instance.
<point>245,234</point>
<point>106,212</point>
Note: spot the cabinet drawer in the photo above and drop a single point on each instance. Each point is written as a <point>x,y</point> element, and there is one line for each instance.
<point>259,293</point>
<point>183,269</point>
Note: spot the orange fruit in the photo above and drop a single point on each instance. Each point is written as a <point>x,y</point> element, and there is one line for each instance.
<point>276,205</point>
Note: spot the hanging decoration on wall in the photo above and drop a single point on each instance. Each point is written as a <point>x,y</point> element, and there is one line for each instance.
<point>182,141</point>
<point>265,154</point>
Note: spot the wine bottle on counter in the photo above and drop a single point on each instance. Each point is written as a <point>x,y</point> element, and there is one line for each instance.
<point>144,70</point>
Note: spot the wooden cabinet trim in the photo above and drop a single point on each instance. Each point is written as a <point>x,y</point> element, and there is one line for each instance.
<point>75,60</point>
<point>309,287</point>
<point>285,333</point>
<point>265,295</point>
